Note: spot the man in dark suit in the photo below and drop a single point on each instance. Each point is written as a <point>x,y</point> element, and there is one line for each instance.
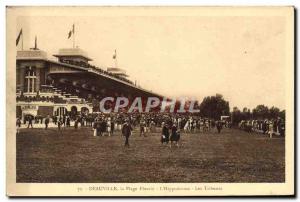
<point>29,122</point>
<point>46,122</point>
<point>165,134</point>
<point>126,131</point>
<point>18,125</point>
<point>68,121</point>
<point>219,126</point>
<point>103,126</point>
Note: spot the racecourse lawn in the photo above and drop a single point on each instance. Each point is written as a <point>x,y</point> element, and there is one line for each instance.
<point>73,155</point>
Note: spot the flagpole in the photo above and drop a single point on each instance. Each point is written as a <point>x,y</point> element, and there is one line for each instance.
<point>116,62</point>
<point>22,40</point>
<point>35,43</point>
<point>73,35</point>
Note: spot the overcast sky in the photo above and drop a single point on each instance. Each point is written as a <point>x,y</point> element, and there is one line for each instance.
<point>242,58</point>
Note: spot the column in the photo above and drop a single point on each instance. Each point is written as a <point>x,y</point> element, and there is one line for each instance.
<point>38,79</point>
<point>32,85</point>
<point>28,84</point>
<point>22,78</point>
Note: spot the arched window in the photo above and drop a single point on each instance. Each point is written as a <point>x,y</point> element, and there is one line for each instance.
<point>30,79</point>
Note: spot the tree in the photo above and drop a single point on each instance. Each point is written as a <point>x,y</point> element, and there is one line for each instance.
<point>214,107</point>
<point>237,116</point>
<point>274,112</point>
<point>282,114</point>
<point>246,113</point>
<point>260,112</point>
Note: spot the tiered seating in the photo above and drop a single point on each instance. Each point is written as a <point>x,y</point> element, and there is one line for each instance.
<point>87,65</point>
<point>49,93</point>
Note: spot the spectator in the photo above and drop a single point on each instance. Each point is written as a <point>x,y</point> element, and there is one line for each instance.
<point>46,122</point>
<point>126,131</point>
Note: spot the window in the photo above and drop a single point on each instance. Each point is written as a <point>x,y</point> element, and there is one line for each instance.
<point>30,79</point>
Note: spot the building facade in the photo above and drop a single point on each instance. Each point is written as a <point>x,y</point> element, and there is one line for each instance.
<point>68,86</point>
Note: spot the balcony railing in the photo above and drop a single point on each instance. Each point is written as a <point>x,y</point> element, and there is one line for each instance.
<point>97,69</point>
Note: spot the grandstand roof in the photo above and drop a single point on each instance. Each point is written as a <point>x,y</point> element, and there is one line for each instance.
<point>77,52</point>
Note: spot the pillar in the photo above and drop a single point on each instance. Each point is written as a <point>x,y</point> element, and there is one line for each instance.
<point>38,79</point>
<point>33,86</point>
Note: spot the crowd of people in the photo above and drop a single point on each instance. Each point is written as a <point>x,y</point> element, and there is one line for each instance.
<point>169,125</point>
<point>97,69</point>
<point>266,126</point>
<point>38,98</point>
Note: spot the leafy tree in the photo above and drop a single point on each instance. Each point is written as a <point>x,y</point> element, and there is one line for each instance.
<point>274,112</point>
<point>282,114</point>
<point>246,113</point>
<point>214,107</point>
<point>260,112</point>
<point>236,115</point>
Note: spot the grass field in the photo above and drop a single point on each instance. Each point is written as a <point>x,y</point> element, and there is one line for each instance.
<point>76,156</point>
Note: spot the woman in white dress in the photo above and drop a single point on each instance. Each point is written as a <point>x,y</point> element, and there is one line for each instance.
<point>271,129</point>
<point>187,126</point>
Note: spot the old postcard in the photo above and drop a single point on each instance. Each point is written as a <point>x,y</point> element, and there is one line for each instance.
<point>150,101</point>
